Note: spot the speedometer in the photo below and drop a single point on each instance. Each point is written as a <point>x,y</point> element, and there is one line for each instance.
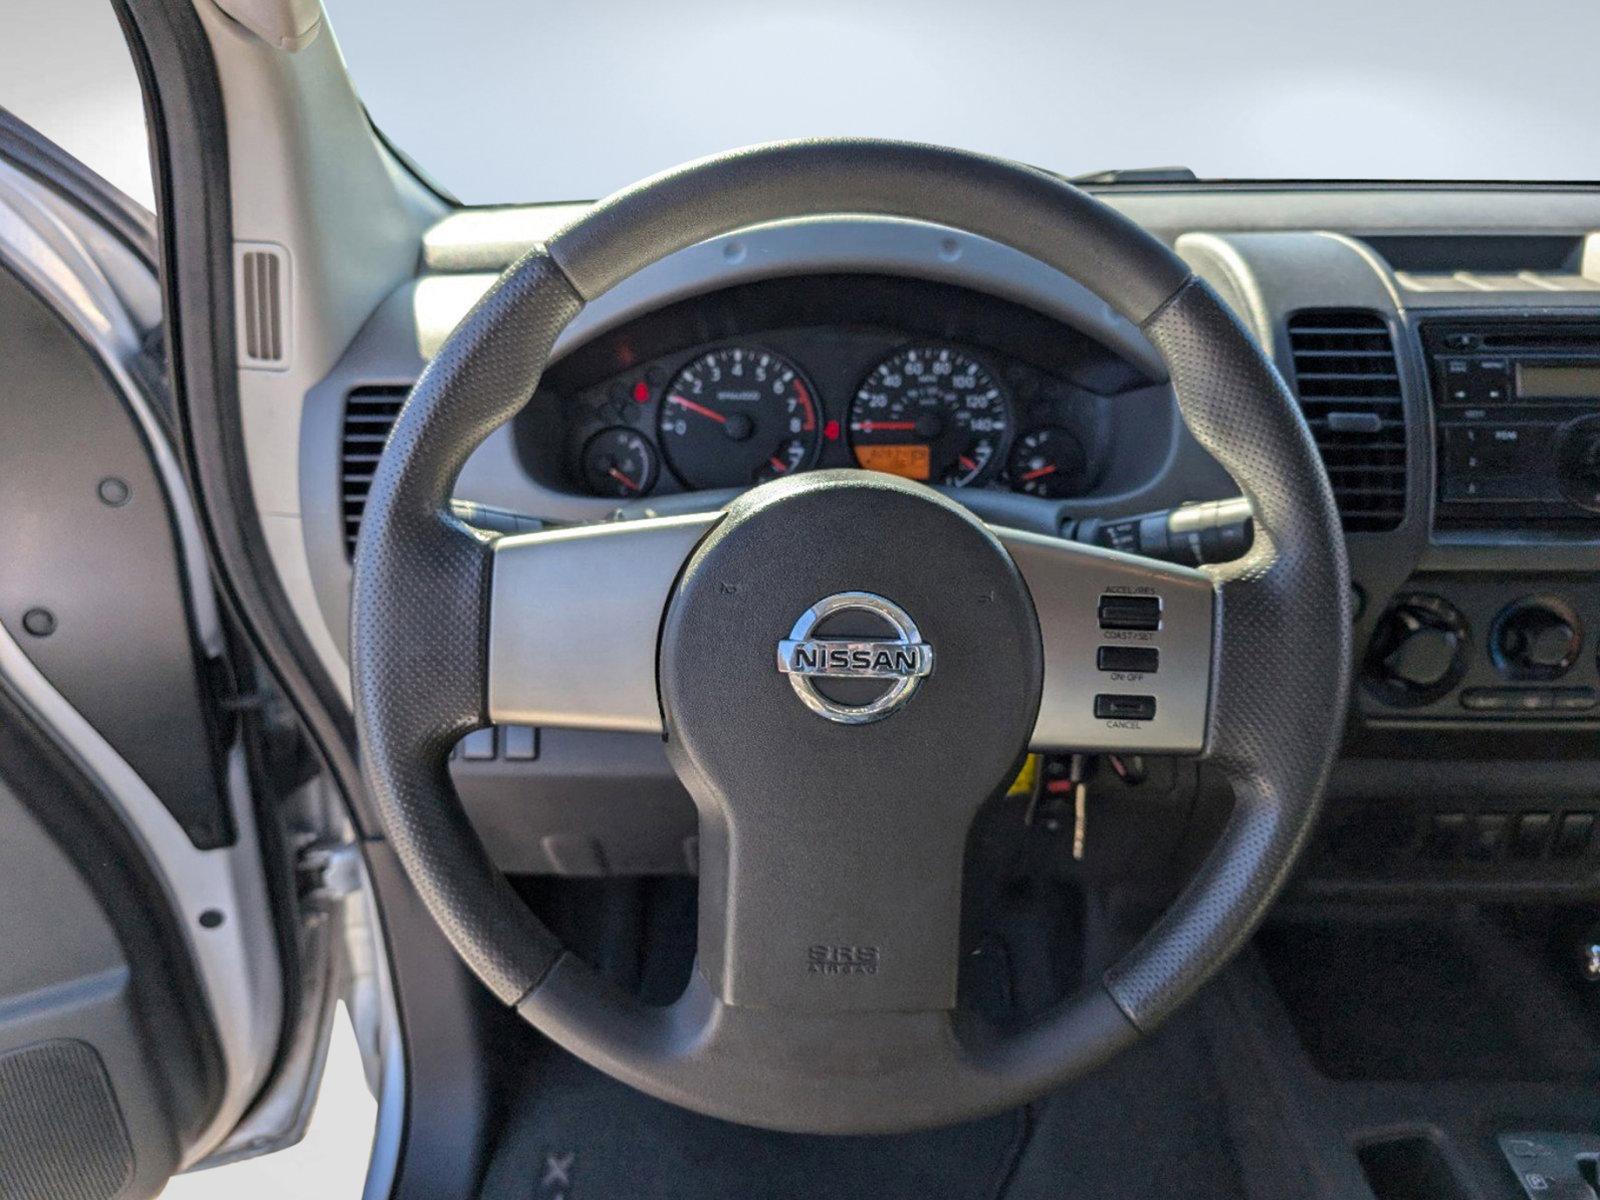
<point>736,416</point>
<point>932,413</point>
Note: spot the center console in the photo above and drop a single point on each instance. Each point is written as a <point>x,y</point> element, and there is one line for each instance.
<point>1516,420</point>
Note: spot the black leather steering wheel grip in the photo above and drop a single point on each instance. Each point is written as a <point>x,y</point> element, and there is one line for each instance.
<point>830,874</point>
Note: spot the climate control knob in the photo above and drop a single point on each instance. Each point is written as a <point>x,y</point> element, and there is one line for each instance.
<point>1535,638</point>
<point>1418,651</point>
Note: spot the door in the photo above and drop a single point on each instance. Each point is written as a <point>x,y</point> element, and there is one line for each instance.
<point>163,997</point>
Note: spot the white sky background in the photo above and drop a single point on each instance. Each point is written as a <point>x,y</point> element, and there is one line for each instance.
<point>65,69</point>
<point>507,100</point>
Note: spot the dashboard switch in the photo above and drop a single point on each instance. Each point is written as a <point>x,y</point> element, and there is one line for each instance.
<point>1447,833</point>
<point>1487,836</point>
<point>1124,708</point>
<point>520,743</point>
<point>1573,835</point>
<point>1146,659</point>
<point>1532,831</point>
<point>1130,612</point>
<point>479,745</point>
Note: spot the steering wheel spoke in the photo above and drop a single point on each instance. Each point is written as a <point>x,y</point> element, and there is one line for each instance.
<point>574,615</point>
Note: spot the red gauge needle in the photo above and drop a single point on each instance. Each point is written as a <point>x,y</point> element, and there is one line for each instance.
<point>778,465</point>
<point>873,426</point>
<point>1039,472</point>
<point>805,402</point>
<point>622,479</point>
<point>968,463</point>
<point>701,409</point>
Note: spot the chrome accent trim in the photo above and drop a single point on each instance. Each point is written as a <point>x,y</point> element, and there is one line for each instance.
<point>804,658</point>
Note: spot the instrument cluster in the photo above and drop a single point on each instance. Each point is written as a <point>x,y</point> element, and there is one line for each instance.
<point>738,412</point>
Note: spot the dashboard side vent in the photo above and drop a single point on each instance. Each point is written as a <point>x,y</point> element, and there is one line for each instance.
<point>1348,381</point>
<point>262,274</point>
<point>369,414</point>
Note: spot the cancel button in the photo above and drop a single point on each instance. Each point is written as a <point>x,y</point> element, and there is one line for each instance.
<point>1124,708</point>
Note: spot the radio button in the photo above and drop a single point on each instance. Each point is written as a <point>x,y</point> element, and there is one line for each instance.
<point>1491,380</point>
<point>1456,376</point>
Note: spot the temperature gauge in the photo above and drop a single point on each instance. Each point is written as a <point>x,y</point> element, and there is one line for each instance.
<point>619,462</point>
<point>1048,462</point>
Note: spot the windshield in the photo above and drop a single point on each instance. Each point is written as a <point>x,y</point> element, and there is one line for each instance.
<point>506,101</point>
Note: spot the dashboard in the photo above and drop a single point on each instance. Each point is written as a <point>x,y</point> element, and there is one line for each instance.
<point>923,380</point>
<point>1472,517</point>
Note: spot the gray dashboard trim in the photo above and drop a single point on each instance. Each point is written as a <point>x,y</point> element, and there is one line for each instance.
<point>489,239</point>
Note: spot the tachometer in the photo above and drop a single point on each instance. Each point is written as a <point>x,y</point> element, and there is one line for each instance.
<point>932,413</point>
<point>736,416</point>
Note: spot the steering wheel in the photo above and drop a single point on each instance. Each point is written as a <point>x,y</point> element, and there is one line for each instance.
<point>844,666</point>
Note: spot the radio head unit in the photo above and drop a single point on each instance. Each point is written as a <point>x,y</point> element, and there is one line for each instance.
<point>1517,414</point>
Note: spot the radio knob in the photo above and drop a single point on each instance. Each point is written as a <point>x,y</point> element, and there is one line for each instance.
<point>1418,651</point>
<point>1537,638</point>
<point>1578,461</point>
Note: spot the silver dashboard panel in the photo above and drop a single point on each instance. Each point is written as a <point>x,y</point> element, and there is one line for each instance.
<point>574,620</point>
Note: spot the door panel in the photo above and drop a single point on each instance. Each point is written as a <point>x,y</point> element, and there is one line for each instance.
<point>93,590</point>
<point>146,976</point>
<point>80,1082</point>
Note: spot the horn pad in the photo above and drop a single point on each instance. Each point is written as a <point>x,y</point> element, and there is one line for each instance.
<point>955,647</point>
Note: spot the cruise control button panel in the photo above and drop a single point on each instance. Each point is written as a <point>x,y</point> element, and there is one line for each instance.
<point>1128,647</point>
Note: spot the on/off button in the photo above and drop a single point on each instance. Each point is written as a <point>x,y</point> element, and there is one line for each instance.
<point>1144,659</point>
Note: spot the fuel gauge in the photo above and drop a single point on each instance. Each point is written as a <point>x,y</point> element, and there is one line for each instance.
<point>1048,462</point>
<point>619,462</point>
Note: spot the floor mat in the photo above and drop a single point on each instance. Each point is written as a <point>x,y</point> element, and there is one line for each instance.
<point>1151,1123</point>
<point>1427,1000</point>
<point>580,1135</point>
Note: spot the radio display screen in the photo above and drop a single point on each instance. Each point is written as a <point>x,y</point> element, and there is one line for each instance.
<point>1558,382</point>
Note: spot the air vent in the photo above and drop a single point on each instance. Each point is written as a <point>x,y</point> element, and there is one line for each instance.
<point>369,414</point>
<point>261,271</point>
<point>1349,386</point>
